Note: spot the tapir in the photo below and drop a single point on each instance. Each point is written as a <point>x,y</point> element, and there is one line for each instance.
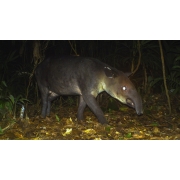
<point>86,77</point>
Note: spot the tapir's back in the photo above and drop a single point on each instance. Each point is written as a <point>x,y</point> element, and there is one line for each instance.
<point>70,64</point>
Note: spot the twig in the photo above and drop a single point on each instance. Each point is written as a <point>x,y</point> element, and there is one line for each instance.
<point>73,48</point>
<point>8,127</point>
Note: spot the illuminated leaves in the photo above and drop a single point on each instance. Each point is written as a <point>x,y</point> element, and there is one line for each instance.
<point>124,124</point>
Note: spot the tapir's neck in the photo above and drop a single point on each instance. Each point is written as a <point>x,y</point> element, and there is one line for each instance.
<point>100,88</point>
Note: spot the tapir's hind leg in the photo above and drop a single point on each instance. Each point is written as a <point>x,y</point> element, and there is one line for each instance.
<point>51,97</point>
<point>81,108</point>
<point>44,98</point>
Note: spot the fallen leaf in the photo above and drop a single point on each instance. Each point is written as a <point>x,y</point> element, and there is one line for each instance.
<point>89,131</point>
<point>68,131</point>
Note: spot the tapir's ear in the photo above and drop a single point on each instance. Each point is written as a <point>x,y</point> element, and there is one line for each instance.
<point>110,73</point>
<point>128,74</point>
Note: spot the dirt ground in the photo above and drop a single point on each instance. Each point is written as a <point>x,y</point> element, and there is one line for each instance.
<point>123,124</point>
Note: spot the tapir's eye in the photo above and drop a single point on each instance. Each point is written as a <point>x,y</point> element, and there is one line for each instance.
<point>124,88</point>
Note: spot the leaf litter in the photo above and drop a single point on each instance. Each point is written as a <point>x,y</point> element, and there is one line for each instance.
<point>124,124</point>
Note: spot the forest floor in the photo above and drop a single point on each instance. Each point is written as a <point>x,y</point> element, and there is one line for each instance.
<point>123,124</point>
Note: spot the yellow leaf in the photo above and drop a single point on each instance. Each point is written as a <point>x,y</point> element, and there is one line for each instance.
<point>156,130</point>
<point>89,131</point>
<point>97,139</point>
<point>68,131</point>
<point>69,121</point>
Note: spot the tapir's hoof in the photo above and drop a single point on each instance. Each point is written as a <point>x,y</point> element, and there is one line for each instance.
<point>42,117</point>
<point>103,122</point>
<point>81,122</point>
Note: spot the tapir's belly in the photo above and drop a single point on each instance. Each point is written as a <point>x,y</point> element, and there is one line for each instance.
<point>64,87</point>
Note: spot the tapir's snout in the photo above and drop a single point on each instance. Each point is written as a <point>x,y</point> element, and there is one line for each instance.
<point>130,102</point>
<point>136,104</point>
<point>139,112</point>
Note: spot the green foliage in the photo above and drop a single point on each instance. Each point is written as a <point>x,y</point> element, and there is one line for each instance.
<point>152,82</point>
<point>112,104</point>
<point>8,102</point>
<point>6,62</point>
<point>57,118</point>
<point>151,57</point>
<point>70,100</point>
<point>155,124</point>
<point>108,128</point>
<point>5,105</point>
<point>173,79</point>
<point>110,110</point>
<point>128,135</point>
<point>152,63</point>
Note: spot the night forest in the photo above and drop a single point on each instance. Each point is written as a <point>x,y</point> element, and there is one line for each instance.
<point>155,71</point>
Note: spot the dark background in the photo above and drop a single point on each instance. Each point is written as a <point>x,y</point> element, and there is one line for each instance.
<point>18,60</point>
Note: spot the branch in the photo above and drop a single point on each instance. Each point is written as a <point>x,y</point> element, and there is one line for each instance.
<point>164,76</point>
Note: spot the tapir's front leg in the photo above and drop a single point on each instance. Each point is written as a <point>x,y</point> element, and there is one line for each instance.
<point>93,105</point>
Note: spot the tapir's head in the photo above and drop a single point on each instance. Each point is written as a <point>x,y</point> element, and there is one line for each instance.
<point>119,86</point>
